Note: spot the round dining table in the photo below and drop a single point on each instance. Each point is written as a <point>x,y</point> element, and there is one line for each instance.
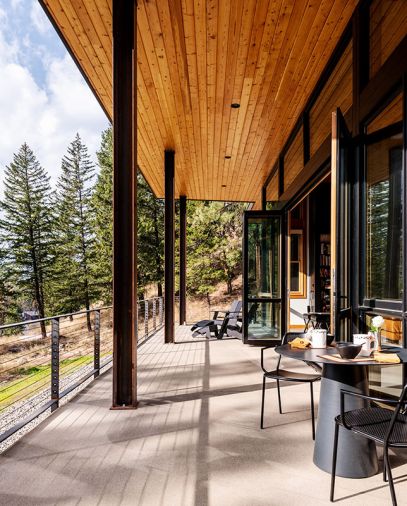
<point>357,456</point>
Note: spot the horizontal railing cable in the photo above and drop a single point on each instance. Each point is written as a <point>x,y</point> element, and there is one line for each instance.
<point>40,369</point>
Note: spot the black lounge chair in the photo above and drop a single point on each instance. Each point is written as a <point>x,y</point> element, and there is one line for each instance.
<point>218,326</point>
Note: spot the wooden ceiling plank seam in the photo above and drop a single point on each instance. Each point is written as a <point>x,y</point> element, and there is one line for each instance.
<point>241,84</point>
<point>249,88</point>
<point>147,162</point>
<point>153,159</point>
<point>326,40</point>
<point>147,93</point>
<point>103,35</point>
<point>149,89</point>
<point>283,21</point>
<point>153,135</point>
<point>201,52</point>
<point>258,80</point>
<point>278,49</point>
<point>164,98</point>
<point>59,15</point>
<point>241,92</point>
<point>235,19</point>
<point>164,44</point>
<point>277,145</point>
<point>191,57</point>
<point>173,33</point>
<point>179,36</point>
<point>83,35</point>
<point>212,25</point>
<point>309,75</point>
<point>221,65</point>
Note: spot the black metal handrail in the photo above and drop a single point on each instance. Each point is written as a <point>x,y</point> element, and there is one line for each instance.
<point>73,351</point>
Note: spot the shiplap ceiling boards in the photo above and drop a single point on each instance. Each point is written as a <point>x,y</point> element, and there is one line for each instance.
<point>196,58</point>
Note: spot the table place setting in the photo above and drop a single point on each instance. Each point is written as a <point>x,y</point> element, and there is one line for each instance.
<point>364,348</point>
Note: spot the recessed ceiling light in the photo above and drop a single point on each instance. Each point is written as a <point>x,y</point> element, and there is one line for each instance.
<point>235,105</point>
<point>228,157</point>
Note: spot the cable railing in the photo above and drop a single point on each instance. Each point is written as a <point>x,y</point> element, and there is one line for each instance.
<point>39,371</point>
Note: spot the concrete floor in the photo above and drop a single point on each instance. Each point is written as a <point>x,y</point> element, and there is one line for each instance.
<point>195,440</point>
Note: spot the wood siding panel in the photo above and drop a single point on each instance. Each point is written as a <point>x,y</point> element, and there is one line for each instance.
<point>388,20</point>
<point>336,93</point>
<point>393,113</point>
<point>293,160</point>
<point>272,188</point>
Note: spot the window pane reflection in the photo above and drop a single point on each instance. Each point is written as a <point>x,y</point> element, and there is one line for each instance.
<point>264,320</point>
<point>384,219</point>
<point>263,257</point>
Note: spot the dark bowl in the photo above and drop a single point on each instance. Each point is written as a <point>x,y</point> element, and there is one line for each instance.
<point>348,350</point>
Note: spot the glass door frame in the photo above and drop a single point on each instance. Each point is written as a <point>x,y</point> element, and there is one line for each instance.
<point>282,300</point>
<point>391,308</point>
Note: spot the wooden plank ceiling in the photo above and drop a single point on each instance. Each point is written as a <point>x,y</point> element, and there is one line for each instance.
<point>196,58</point>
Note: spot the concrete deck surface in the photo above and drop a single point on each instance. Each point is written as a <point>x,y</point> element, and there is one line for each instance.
<point>195,440</point>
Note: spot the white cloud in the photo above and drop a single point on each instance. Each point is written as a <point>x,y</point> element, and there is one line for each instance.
<point>38,18</point>
<point>45,117</point>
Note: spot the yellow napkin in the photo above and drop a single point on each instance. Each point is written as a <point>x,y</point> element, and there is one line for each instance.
<point>392,358</point>
<point>299,342</point>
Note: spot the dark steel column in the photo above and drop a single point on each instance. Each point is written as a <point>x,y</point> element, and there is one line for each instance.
<point>264,198</point>
<point>169,264</point>
<point>182,259</point>
<point>124,206</point>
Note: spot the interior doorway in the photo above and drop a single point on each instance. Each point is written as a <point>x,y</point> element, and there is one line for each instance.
<point>309,259</point>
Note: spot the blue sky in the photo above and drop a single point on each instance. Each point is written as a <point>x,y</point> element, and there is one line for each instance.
<point>44,100</point>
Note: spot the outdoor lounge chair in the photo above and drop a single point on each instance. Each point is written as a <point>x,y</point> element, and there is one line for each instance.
<point>221,320</point>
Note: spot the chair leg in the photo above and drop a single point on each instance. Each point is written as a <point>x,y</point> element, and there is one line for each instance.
<point>384,471</point>
<point>312,411</point>
<point>262,403</point>
<point>279,397</point>
<point>389,475</point>
<point>334,455</point>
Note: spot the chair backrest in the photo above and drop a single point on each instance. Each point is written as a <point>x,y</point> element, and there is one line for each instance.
<point>236,306</point>
<point>402,404</point>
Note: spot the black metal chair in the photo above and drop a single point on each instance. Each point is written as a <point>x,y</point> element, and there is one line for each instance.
<point>382,425</point>
<point>280,374</point>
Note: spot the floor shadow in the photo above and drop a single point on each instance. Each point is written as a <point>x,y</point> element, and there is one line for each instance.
<point>202,471</point>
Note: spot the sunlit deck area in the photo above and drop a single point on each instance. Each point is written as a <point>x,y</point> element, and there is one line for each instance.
<point>195,440</point>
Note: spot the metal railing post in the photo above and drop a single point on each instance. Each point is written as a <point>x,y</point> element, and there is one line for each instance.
<point>96,351</point>
<point>146,318</point>
<point>138,321</point>
<point>55,363</point>
<point>154,314</point>
<point>161,313</point>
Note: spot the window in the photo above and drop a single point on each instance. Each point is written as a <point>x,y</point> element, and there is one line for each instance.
<point>298,277</point>
<point>384,256</point>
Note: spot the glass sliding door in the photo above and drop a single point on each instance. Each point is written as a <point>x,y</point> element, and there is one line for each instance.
<point>341,201</point>
<point>263,280</point>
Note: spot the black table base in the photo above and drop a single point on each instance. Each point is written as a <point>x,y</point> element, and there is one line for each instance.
<point>357,457</point>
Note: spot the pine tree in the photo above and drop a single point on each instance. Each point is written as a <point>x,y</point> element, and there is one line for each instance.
<point>26,228</point>
<point>150,237</point>
<point>76,236</point>
<point>102,205</point>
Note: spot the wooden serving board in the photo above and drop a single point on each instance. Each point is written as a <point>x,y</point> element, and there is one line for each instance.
<point>338,358</point>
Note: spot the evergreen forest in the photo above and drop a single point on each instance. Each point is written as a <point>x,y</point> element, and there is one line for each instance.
<point>56,240</point>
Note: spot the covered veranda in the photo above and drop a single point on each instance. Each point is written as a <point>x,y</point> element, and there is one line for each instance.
<point>195,441</point>
<point>228,101</point>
